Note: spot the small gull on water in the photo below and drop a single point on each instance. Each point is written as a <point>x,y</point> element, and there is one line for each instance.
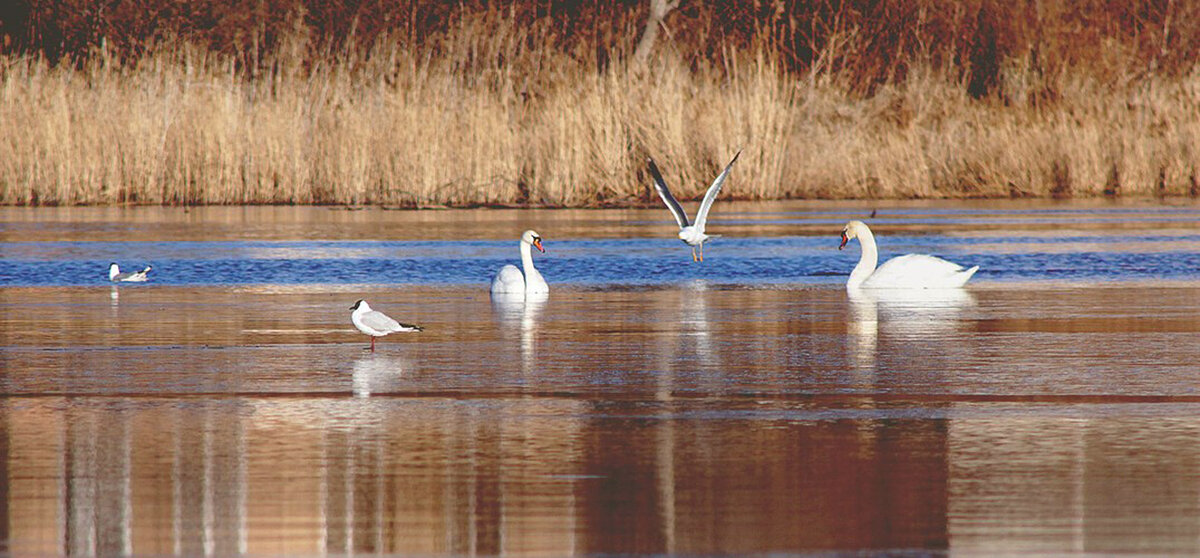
<point>115,275</point>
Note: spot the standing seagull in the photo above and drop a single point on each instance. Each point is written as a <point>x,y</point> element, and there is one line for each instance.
<point>115,275</point>
<point>376,324</point>
<point>693,235</point>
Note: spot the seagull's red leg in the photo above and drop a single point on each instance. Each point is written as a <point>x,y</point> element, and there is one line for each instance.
<point>372,343</point>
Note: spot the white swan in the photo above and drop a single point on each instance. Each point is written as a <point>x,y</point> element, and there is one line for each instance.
<point>115,275</point>
<point>910,271</point>
<point>693,234</point>
<point>376,324</point>
<point>510,280</point>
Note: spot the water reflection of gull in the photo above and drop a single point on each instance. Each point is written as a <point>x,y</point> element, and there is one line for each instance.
<point>694,315</point>
<point>521,312</point>
<point>374,372</point>
<point>687,338</point>
<point>925,313</point>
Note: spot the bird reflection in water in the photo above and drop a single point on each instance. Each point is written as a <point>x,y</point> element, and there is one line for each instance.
<point>377,372</point>
<point>694,319</point>
<point>521,313</point>
<point>921,318</point>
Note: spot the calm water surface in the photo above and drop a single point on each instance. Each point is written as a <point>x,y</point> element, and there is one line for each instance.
<point>649,405</point>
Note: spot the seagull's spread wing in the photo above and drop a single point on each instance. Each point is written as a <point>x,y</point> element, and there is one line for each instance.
<point>711,195</point>
<point>665,194</point>
<point>379,321</point>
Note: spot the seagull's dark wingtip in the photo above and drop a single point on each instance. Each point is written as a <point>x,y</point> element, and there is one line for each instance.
<point>654,172</point>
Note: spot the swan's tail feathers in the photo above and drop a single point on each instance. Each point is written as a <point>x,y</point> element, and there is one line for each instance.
<point>967,273</point>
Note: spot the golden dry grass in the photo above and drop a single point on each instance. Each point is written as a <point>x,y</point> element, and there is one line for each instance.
<point>486,119</point>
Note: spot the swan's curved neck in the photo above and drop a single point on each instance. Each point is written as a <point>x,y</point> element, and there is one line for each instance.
<point>527,258</point>
<point>866,262</point>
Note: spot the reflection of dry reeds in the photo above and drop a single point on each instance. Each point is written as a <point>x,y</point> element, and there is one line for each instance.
<point>487,118</point>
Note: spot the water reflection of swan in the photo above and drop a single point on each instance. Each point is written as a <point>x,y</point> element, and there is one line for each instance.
<point>927,313</point>
<point>375,372</point>
<point>910,271</point>
<point>521,312</point>
<point>912,310</point>
<point>864,327</point>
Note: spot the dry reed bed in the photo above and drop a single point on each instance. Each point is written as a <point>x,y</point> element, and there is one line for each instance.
<point>395,127</point>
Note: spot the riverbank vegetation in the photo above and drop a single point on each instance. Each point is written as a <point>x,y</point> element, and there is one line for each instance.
<point>551,104</point>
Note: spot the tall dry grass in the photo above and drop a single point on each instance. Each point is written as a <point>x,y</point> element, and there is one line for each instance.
<point>486,117</point>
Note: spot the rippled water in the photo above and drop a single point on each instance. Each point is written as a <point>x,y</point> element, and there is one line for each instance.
<point>764,244</point>
<point>649,405</point>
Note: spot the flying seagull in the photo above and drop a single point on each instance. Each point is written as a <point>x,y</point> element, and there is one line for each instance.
<point>691,234</point>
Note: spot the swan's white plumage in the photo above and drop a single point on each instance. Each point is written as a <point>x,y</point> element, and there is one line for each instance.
<point>510,280</point>
<point>919,271</point>
<point>911,271</point>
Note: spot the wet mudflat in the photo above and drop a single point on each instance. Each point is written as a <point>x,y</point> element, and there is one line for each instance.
<point>675,409</point>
